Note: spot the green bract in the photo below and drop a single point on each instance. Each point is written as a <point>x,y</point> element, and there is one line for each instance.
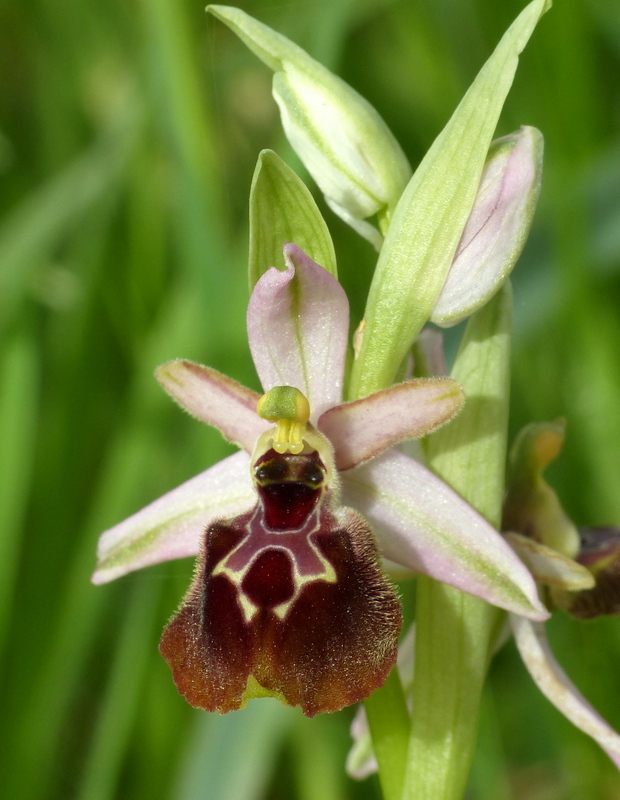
<point>470,455</point>
<point>430,217</point>
<point>283,210</point>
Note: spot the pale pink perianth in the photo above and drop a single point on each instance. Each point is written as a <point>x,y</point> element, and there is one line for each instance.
<point>438,533</point>
<point>171,526</point>
<point>497,227</point>
<point>557,687</point>
<point>298,326</point>
<point>215,399</point>
<point>364,428</point>
<point>298,329</point>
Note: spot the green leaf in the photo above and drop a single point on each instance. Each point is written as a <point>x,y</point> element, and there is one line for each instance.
<point>283,210</point>
<point>431,215</point>
<point>31,231</point>
<point>121,702</point>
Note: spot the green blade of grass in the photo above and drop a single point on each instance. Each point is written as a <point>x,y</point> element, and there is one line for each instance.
<point>18,426</point>
<point>232,757</point>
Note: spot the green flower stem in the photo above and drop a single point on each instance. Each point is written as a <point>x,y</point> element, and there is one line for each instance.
<point>453,638</point>
<point>388,720</point>
<point>454,631</point>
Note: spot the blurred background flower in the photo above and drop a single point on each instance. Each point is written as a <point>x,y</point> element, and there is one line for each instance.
<point>129,132</point>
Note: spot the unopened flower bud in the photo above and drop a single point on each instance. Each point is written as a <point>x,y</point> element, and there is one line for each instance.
<point>497,227</point>
<point>341,139</point>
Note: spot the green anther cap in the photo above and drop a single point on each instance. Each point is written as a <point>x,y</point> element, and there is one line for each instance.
<point>284,402</point>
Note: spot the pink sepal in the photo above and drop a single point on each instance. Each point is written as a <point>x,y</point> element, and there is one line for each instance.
<point>425,526</point>
<point>171,526</point>
<point>215,399</point>
<point>298,324</point>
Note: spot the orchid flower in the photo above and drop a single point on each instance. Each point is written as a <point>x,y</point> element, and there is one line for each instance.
<point>578,570</point>
<point>288,598</point>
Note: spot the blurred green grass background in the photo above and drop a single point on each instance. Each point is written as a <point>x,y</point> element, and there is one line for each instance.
<point>129,130</point>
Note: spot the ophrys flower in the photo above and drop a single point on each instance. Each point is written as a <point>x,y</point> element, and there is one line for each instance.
<point>298,332</point>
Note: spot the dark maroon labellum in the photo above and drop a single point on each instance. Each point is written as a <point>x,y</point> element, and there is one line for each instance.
<point>600,553</point>
<point>289,596</point>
